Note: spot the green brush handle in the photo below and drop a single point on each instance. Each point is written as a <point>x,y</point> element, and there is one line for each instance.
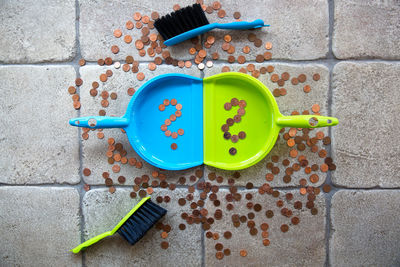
<point>302,121</point>
<point>91,241</point>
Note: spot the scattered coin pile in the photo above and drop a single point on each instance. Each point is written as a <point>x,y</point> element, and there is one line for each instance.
<point>231,121</point>
<point>171,119</point>
<point>300,141</point>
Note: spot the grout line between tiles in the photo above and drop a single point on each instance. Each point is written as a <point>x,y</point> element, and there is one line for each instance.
<point>81,183</point>
<point>332,61</point>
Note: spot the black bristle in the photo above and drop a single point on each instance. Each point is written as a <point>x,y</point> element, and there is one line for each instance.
<point>141,221</point>
<point>180,21</point>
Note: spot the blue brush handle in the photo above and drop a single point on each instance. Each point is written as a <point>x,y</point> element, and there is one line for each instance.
<point>101,122</point>
<point>240,25</point>
<point>237,25</point>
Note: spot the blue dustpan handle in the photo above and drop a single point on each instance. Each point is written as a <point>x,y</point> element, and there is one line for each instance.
<point>101,122</point>
<point>237,25</point>
<point>241,25</point>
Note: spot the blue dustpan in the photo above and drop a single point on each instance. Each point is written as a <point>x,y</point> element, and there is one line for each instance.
<point>143,119</point>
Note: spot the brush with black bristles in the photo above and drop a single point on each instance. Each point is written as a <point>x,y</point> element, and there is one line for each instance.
<point>191,21</point>
<point>133,226</point>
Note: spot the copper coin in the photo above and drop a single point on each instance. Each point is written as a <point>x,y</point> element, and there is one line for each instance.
<point>274,78</point>
<point>174,146</point>
<point>230,122</point>
<point>284,228</point>
<point>221,13</point>
<point>227,135</point>
<point>257,42</point>
<point>237,118</point>
<point>316,77</point>
<point>232,151</point>
<point>302,78</point>
<point>242,135</point>
<point>234,101</point>
<point>227,106</point>
<point>245,50</point>
<point>243,253</point>
<point>241,111</point>
<point>71,90</point>
<point>86,172</point>
<point>117,33</point>
<point>306,88</point>
<point>315,108</point>
<point>276,92</point>
<point>267,55</point>
<point>241,59</point>
<point>236,15</point>
<point>100,62</point>
<point>326,188</point>
<point>295,81</point>
<point>242,103</point>
<point>234,139</point>
<point>114,49</point>
<point>225,127</point>
<point>140,76</point>
<point>269,214</point>
<point>78,81</point>
<point>164,245</point>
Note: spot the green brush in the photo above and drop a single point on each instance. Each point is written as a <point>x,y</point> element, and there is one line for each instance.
<point>133,226</point>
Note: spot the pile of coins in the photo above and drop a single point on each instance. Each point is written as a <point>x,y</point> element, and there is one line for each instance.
<point>171,119</point>
<point>298,140</point>
<point>236,119</point>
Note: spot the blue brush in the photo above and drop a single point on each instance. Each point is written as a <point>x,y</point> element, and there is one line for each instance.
<point>191,21</point>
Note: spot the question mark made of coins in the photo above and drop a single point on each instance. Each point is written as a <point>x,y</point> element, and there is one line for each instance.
<point>171,119</point>
<point>231,121</point>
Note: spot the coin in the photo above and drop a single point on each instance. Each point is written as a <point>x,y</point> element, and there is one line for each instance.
<point>114,49</point>
<point>234,139</point>
<point>232,151</point>
<point>227,106</point>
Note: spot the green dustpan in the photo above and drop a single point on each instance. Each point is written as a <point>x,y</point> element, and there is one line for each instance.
<point>261,122</point>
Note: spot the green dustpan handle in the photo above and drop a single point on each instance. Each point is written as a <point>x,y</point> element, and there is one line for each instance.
<point>303,121</point>
<point>91,242</point>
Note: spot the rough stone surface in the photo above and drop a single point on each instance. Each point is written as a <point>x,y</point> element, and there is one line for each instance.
<point>293,33</point>
<point>39,32</point>
<point>38,226</point>
<point>302,245</point>
<point>102,211</point>
<point>94,149</point>
<point>96,35</point>
<point>365,228</point>
<point>366,29</point>
<point>35,137</point>
<point>366,146</point>
<point>295,99</point>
